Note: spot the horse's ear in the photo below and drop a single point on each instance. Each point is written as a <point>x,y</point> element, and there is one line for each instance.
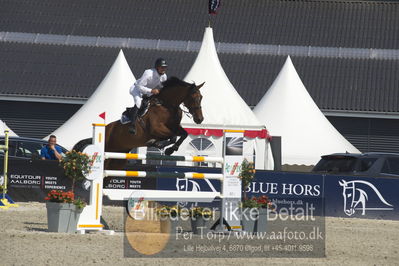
<point>199,86</point>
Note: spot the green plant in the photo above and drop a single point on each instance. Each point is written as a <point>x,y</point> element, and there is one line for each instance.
<point>246,175</point>
<point>166,210</point>
<point>250,203</point>
<point>79,203</point>
<point>254,202</point>
<point>76,166</point>
<point>201,212</point>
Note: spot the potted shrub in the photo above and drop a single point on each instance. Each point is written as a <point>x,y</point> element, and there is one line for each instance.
<point>249,214</point>
<point>169,218</point>
<point>264,204</point>
<point>199,216</point>
<point>246,175</point>
<point>248,206</point>
<point>63,210</point>
<point>76,166</point>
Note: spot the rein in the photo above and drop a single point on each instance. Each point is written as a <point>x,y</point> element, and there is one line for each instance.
<point>187,113</point>
<point>190,109</point>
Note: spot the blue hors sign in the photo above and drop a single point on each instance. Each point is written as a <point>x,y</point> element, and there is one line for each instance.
<point>291,189</point>
<point>356,194</point>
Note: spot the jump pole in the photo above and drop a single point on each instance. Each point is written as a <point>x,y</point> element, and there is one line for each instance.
<point>230,190</point>
<point>5,199</point>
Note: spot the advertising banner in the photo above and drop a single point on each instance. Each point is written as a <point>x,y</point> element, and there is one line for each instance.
<point>31,180</point>
<point>362,197</point>
<point>342,196</point>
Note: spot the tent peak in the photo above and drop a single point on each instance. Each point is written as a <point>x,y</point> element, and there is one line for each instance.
<point>120,54</point>
<point>289,111</point>
<point>232,110</point>
<point>111,96</point>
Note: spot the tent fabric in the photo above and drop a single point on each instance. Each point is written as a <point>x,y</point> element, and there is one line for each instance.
<point>263,134</point>
<point>3,127</point>
<point>222,107</point>
<point>221,103</point>
<point>288,111</point>
<point>219,132</point>
<point>111,96</point>
<point>205,132</point>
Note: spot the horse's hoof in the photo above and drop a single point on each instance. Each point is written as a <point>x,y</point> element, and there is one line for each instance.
<point>150,142</point>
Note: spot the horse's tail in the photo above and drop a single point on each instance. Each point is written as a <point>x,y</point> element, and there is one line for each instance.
<point>82,144</point>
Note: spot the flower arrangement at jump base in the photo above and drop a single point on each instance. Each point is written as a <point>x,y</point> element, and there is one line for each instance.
<point>184,213</point>
<point>76,166</point>
<point>246,175</point>
<point>63,210</point>
<point>168,216</point>
<point>199,216</point>
<point>60,196</point>
<point>197,212</point>
<point>254,213</point>
<point>254,210</point>
<point>260,202</point>
<point>167,211</point>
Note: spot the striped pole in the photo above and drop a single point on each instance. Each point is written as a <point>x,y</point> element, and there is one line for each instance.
<point>136,156</point>
<point>5,163</point>
<point>121,173</point>
<point>5,199</point>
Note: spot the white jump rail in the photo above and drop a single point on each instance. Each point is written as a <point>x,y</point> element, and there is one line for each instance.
<point>91,214</point>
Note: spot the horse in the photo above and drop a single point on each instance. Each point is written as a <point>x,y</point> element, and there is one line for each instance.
<point>159,126</point>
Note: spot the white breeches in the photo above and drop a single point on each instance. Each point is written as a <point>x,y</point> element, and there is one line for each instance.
<point>137,100</point>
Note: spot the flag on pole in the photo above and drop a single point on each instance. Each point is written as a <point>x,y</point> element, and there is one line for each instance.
<point>213,5</point>
<point>102,115</point>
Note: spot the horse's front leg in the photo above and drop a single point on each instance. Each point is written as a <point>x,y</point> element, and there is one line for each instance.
<point>161,143</point>
<point>182,134</point>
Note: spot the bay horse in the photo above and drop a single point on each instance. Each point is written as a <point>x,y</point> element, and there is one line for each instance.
<point>159,126</point>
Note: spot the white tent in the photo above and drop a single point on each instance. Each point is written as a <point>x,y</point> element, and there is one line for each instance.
<point>3,127</point>
<point>223,108</point>
<point>288,111</point>
<point>112,97</point>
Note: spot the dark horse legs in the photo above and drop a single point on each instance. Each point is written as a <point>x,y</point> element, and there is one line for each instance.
<point>181,133</point>
<point>160,144</point>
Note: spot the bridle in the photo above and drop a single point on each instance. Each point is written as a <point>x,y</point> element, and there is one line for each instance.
<point>192,109</point>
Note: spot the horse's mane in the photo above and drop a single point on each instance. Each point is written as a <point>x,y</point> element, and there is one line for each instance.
<point>173,81</point>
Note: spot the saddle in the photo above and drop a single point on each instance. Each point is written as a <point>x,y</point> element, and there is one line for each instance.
<point>145,106</point>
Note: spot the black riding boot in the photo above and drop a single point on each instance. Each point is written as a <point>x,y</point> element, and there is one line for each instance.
<point>133,115</point>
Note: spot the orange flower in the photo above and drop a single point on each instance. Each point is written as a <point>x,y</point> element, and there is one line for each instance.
<point>60,196</point>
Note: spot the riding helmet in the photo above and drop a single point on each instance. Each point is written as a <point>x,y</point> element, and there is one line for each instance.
<point>160,62</point>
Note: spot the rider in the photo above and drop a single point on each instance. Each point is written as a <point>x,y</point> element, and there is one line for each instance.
<point>149,84</point>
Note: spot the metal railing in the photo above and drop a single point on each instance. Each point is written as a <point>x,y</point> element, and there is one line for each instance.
<point>233,48</point>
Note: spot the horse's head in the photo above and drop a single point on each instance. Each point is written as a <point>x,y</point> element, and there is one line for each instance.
<point>193,103</point>
<point>348,194</point>
<point>176,92</point>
